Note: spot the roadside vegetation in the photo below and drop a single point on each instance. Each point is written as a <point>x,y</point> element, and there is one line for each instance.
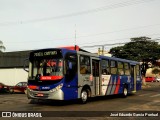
<point>142,49</point>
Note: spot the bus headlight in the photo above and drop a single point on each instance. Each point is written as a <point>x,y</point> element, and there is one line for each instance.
<point>29,89</point>
<point>57,88</point>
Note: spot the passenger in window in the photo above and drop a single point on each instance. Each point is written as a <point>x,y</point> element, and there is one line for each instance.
<point>121,72</point>
<point>83,69</point>
<point>104,72</point>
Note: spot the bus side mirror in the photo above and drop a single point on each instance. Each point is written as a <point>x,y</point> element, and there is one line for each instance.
<point>25,64</point>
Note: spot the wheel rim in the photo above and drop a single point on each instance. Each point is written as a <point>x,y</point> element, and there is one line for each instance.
<point>84,96</point>
<point>11,90</point>
<point>125,91</point>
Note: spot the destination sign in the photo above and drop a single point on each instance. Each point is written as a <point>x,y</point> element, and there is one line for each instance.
<point>45,53</point>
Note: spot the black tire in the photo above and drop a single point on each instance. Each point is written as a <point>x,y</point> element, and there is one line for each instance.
<point>125,92</point>
<point>25,91</point>
<point>84,96</point>
<point>34,101</point>
<point>11,90</point>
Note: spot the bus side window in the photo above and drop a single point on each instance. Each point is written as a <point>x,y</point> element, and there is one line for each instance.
<point>113,67</point>
<point>105,67</point>
<point>85,67</point>
<point>120,68</point>
<point>127,68</point>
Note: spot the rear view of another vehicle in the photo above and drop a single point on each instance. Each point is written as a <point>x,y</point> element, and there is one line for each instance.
<point>157,79</point>
<point>4,88</point>
<point>19,88</point>
<point>150,79</point>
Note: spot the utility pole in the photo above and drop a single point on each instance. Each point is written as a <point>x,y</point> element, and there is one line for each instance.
<point>103,50</point>
<point>99,50</point>
<point>75,36</point>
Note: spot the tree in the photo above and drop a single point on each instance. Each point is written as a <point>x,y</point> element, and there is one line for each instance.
<point>2,47</point>
<point>156,71</point>
<point>141,49</point>
<point>138,49</point>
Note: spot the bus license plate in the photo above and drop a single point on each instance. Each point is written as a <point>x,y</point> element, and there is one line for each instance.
<point>40,94</point>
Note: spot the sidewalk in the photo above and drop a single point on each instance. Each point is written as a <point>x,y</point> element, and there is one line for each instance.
<point>151,84</point>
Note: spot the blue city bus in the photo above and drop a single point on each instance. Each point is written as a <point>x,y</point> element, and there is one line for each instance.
<point>72,73</point>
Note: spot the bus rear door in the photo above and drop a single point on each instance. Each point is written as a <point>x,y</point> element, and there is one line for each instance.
<point>96,77</point>
<point>133,76</point>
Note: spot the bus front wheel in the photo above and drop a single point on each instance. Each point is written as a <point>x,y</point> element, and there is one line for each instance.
<point>84,96</point>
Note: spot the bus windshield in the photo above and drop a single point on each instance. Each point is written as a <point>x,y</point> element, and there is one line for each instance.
<point>47,67</point>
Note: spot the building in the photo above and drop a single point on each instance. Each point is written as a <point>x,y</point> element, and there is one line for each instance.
<point>105,53</point>
<point>11,67</point>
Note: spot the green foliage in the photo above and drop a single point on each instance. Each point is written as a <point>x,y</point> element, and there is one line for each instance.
<point>155,71</point>
<point>138,49</point>
<point>2,47</point>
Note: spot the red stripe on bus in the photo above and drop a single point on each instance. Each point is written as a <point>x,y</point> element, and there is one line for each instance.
<point>72,47</point>
<point>117,86</point>
<point>50,77</point>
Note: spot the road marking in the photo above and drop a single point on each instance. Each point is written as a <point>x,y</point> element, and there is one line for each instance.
<point>145,94</point>
<point>155,95</point>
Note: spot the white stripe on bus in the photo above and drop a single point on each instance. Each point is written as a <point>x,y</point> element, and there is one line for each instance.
<point>109,87</point>
<point>113,86</point>
<point>105,80</point>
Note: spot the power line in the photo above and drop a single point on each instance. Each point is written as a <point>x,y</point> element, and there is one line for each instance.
<point>103,45</point>
<point>112,44</point>
<point>116,39</point>
<point>108,7</point>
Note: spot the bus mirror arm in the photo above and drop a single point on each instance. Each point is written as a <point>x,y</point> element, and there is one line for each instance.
<point>24,66</point>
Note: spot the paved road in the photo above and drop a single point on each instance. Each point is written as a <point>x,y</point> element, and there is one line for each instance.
<point>147,99</point>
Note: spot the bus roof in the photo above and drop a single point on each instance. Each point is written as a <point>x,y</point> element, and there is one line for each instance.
<point>76,48</point>
<point>70,48</point>
<point>120,59</point>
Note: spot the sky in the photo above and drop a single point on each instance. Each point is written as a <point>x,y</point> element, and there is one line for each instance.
<point>38,24</point>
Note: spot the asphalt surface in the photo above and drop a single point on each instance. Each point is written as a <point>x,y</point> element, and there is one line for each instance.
<point>146,101</point>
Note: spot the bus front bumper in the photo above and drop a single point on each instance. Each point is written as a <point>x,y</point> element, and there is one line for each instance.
<point>57,95</point>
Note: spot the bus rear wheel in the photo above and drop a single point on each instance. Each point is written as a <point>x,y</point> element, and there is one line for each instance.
<point>84,96</point>
<point>125,92</point>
